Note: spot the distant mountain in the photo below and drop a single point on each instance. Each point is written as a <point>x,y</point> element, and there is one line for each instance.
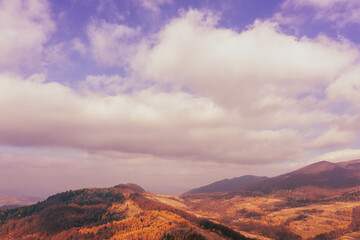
<point>9,207</point>
<point>125,211</point>
<point>12,200</point>
<point>321,175</point>
<point>234,184</point>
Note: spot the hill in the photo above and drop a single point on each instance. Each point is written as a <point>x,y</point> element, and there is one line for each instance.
<point>121,212</point>
<point>234,184</point>
<point>323,174</point>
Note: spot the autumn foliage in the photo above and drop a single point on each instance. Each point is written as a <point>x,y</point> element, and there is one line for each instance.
<point>122,212</point>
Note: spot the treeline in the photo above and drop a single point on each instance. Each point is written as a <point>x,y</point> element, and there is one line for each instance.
<point>80,197</point>
<point>90,196</point>
<point>63,217</point>
<point>60,212</point>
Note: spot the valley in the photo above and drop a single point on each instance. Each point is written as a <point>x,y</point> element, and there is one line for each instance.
<point>274,216</point>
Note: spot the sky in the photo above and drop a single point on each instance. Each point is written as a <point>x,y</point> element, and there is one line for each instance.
<point>173,95</point>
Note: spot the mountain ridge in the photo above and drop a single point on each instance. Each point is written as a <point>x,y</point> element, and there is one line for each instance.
<point>226,185</point>
<point>120,212</point>
<point>321,174</point>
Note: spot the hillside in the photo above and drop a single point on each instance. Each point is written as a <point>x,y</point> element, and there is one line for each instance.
<point>275,216</point>
<point>325,175</point>
<point>120,212</point>
<point>234,184</point>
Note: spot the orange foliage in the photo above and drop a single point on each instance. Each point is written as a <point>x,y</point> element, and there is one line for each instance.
<point>150,225</point>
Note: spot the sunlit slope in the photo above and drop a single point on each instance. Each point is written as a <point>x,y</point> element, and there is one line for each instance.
<point>121,212</point>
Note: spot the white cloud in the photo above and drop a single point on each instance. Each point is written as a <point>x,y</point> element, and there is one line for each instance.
<point>262,74</point>
<point>346,89</point>
<point>25,26</point>
<point>111,44</point>
<point>339,155</point>
<point>37,78</point>
<point>318,3</point>
<point>154,5</point>
<point>237,69</point>
<point>172,125</point>
<point>332,138</point>
<point>108,85</point>
<point>78,46</point>
<point>257,96</point>
<point>339,12</point>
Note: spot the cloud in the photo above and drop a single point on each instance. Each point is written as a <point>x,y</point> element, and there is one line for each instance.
<point>25,26</point>
<point>238,69</point>
<point>318,3</point>
<point>78,46</point>
<point>339,155</point>
<point>271,79</point>
<point>105,84</point>
<point>333,138</point>
<point>338,12</point>
<point>154,5</point>
<point>172,125</point>
<point>111,44</point>
<point>346,90</point>
<point>216,95</point>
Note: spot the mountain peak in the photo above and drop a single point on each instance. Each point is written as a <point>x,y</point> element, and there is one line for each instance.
<point>322,174</point>
<point>316,168</point>
<point>130,186</point>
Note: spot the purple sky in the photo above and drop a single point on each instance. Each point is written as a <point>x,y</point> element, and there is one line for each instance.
<point>174,94</point>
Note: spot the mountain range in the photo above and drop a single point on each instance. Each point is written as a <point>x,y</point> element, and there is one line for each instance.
<point>319,201</point>
<point>325,175</point>
<point>322,174</point>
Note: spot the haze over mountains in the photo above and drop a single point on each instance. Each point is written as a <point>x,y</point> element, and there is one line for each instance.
<point>10,198</point>
<point>234,184</point>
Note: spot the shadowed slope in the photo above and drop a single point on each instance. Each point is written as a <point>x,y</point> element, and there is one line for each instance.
<point>322,174</point>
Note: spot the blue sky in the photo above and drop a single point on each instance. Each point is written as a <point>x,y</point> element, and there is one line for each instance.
<point>174,94</point>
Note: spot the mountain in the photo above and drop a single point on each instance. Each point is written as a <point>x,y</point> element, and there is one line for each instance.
<point>125,211</point>
<point>322,174</point>
<point>9,201</point>
<point>3,207</point>
<point>318,201</point>
<point>234,184</point>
